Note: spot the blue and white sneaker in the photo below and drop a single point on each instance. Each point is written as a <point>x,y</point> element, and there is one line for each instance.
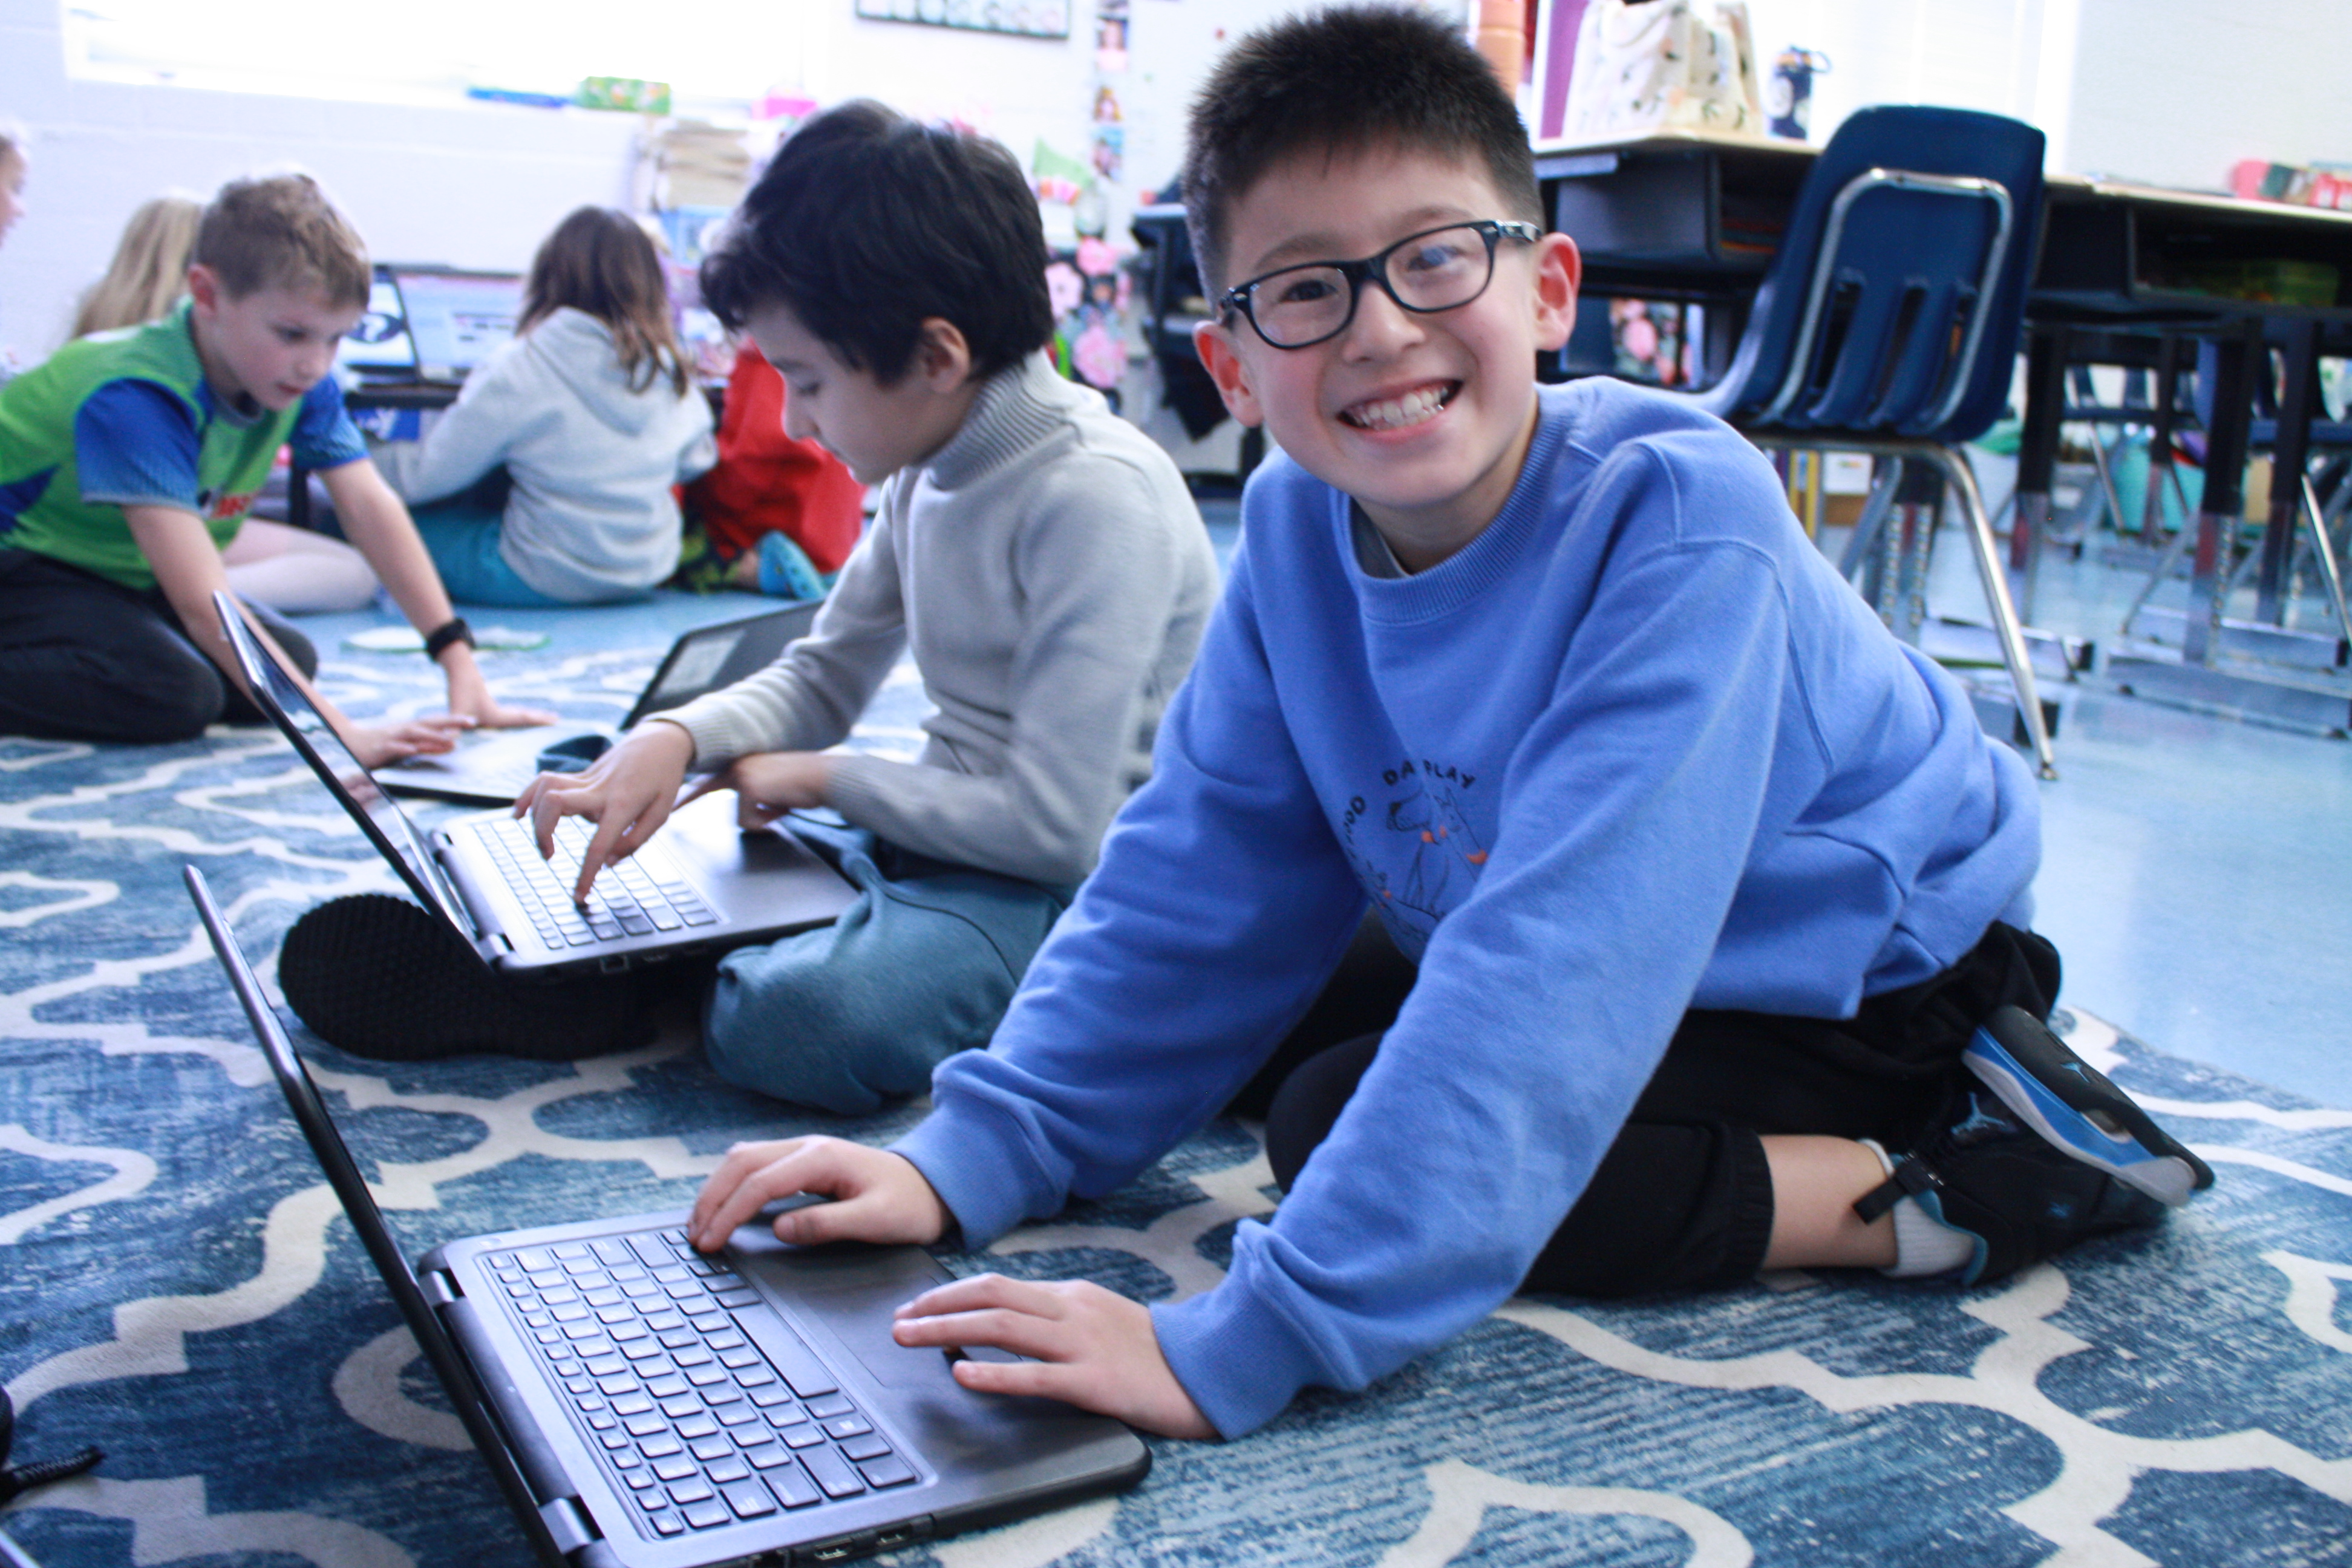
<point>2046,1154</point>
<point>2073,1106</point>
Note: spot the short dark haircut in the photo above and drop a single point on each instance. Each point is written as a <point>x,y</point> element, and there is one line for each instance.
<point>1342,82</point>
<point>281,232</point>
<point>867,224</point>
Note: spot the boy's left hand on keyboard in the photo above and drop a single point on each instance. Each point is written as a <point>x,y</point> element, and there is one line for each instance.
<point>768,784</point>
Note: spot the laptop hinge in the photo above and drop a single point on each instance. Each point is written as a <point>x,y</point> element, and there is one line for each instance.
<point>437,1288</point>
<point>568,1525</point>
<point>453,896</point>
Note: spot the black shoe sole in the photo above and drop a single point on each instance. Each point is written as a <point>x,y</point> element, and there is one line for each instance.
<point>378,977</point>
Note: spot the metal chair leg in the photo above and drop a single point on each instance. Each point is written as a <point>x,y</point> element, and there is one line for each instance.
<point>1872,519</point>
<point>2325,551</point>
<point>1994,573</point>
<point>2164,566</point>
<point>2107,483</point>
<point>1917,539</point>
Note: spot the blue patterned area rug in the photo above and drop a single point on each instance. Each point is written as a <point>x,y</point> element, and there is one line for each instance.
<point>178,1286</point>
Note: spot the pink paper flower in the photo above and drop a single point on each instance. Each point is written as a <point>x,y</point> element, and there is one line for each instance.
<point>1101,356</point>
<point>1095,258</point>
<point>1064,288</point>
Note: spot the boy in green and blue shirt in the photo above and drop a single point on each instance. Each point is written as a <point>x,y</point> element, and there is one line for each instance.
<point>129,459</point>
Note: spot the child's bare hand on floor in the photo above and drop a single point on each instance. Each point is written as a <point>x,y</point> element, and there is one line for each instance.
<point>376,744</point>
<point>469,695</point>
<point>1091,1347</point>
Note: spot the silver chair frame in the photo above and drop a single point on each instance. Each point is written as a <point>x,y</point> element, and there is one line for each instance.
<point>1793,380</point>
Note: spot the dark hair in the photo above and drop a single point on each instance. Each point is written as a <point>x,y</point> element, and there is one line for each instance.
<point>282,232</point>
<point>599,261</point>
<point>867,224</point>
<point>1339,81</point>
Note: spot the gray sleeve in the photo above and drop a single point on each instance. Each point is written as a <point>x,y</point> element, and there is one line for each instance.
<point>1103,577</point>
<point>472,437</point>
<point>808,698</point>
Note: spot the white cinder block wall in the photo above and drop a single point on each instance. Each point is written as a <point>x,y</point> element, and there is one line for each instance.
<point>1993,54</point>
<point>2167,92</point>
<point>2173,92</point>
<point>479,184</point>
<point>470,184</point>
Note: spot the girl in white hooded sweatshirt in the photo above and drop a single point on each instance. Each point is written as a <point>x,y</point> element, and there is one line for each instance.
<point>588,417</point>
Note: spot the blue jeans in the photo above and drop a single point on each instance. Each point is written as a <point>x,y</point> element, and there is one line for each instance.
<point>463,541</point>
<point>854,1015</point>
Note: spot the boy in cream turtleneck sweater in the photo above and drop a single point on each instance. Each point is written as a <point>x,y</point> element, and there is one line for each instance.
<point>1040,558</point>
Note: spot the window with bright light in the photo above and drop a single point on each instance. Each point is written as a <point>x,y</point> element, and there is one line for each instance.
<point>433,51</point>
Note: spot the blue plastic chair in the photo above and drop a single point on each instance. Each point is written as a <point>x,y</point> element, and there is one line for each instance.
<point>1889,320</point>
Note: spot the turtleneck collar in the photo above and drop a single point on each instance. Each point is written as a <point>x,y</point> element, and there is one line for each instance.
<point>1017,407</point>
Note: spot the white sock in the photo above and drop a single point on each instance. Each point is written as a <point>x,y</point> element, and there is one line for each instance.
<point>1924,1244</point>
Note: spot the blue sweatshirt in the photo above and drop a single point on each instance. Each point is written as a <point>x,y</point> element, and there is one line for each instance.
<point>1636,749</point>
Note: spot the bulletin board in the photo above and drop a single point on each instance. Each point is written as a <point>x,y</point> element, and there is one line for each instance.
<point>1022,18</point>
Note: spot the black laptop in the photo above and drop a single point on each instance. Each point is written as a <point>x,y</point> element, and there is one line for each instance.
<point>492,769</point>
<point>642,1405</point>
<point>700,885</point>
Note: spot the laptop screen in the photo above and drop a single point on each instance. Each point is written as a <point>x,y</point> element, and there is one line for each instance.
<point>342,772</point>
<point>711,656</point>
<point>380,344</point>
<point>342,1173</point>
<point>456,319</point>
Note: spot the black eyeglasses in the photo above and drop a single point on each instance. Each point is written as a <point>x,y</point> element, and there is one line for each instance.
<point>1436,269</point>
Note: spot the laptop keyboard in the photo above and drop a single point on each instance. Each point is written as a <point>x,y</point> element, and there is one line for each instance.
<point>708,1409</point>
<point>636,897</point>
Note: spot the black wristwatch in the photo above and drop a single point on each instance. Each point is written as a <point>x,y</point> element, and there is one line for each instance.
<point>453,630</point>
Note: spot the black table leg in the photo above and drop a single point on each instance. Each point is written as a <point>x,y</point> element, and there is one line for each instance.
<point>2161,454</point>
<point>2289,455</point>
<point>2223,504</point>
<point>2037,460</point>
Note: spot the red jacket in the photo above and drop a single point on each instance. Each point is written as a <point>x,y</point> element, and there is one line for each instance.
<point>765,481</point>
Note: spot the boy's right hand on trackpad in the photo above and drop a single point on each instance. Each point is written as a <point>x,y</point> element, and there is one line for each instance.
<point>877,1196</point>
<point>628,793</point>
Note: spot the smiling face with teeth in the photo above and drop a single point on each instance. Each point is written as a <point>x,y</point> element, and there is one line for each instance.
<point>1423,419</point>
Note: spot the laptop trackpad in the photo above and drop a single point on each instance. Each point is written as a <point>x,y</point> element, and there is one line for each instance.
<point>848,1293</point>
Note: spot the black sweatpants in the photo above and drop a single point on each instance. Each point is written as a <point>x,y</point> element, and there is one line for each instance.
<point>82,658</point>
<point>1683,1199</point>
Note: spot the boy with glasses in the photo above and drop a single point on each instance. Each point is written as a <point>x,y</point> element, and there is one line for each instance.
<point>1710,897</point>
